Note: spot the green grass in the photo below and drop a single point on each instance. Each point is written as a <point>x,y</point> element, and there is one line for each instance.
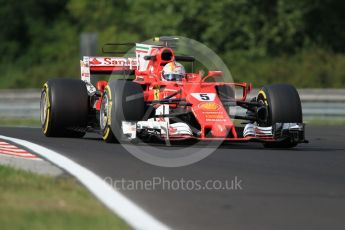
<point>31,201</point>
<point>323,121</point>
<point>19,122</point>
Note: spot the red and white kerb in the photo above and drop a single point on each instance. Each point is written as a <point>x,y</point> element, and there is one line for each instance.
<point>12,150</point>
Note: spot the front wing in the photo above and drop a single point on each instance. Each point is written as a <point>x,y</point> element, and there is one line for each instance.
<point>181,131</point>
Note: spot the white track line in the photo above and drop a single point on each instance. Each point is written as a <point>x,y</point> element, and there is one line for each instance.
<point>135,216</point>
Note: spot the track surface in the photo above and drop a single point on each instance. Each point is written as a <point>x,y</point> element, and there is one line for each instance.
<point>302,188</point>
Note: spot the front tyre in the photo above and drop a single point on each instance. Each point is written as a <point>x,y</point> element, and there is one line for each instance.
<point>105,119</point>
<point>121,101</point>
<point>283,106</point>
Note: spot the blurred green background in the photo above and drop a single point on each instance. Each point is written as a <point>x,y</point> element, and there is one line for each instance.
<point>262,41</point>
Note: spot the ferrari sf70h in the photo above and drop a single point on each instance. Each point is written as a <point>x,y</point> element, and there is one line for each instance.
<point>156,98</point>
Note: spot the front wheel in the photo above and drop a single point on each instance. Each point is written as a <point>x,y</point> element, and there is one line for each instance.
<point>121,101</point>
<point>283,106</point>
<point>105,119</point>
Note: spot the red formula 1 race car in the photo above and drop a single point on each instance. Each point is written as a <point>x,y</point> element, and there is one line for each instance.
<point>159,99</point>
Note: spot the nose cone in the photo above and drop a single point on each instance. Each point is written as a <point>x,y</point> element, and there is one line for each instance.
<point>218,130</point>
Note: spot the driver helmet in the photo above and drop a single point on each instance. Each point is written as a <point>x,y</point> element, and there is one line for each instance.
<point>173,71</point>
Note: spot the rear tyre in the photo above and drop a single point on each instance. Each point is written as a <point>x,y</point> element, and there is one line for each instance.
<point>121,101</point>
<point>283,106</point>
<point>64,108</point>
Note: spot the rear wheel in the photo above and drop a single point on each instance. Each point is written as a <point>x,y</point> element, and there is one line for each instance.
<point>121,101</point>
<point>283,106</point>
<point>64,108</point>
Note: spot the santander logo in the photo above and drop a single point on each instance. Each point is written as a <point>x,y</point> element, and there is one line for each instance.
<point>94,61</point>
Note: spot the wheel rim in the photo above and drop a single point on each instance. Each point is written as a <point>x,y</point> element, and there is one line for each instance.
<point>104,112</point>
<point>261,99</point>
<point>43,107</point>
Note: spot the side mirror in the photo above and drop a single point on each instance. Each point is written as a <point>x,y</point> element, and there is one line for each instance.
<point>215,74</point>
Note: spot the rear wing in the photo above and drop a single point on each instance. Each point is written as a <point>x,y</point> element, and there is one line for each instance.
<point>144,53</point>
<point>106,65</point>
<point>115,65</point>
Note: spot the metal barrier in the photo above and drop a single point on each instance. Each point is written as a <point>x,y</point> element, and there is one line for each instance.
<point>20,103</point>
<point>316,103</point>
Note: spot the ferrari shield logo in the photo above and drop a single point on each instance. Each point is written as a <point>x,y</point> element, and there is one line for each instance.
<point>156,93</point>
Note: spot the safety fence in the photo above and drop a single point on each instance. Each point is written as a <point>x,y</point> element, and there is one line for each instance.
<point>316,103</point>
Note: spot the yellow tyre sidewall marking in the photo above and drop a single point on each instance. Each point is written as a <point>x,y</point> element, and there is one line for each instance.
<point>107,129</point>
<point>106,133</point>
<point>47,118</point>
<point>264,96</point>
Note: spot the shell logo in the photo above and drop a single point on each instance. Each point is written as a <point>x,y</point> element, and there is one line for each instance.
<point>209,106</point>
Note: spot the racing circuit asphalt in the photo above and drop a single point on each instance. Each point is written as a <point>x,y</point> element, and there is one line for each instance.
<point>301,188</point>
